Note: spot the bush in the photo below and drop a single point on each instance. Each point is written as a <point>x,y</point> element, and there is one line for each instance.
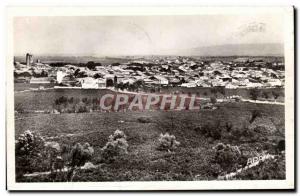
<point>81,108</point>
<point>254,93</point>
<point>52,152</point>
<point>227,156</point>
<point>210,130</point>
<point>254,115</point>
<point>29,143</point>
<point>167,142</point>
<point>80,154</point>
<point>117,145</point>
<point>280,146</point>
<point>144,120</point>
<point>61,100</point>
<point>265,95</point>
<point>216,133</point>
<point>228,126</point>
<point>29,148</point>
<point>213,100</point>
<point>275,94</point>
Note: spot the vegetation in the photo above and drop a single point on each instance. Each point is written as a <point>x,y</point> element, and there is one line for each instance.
<point>29,148</point>
<point>254,93</point>
<point>254,115</point>
<point>116,146</point>
<point>34,154</point>
<point>79,155</point>
<point>228,157</point>
<point>167,142</point>
<point>213,100</point>
<point>197,131</point>
<point>271,169</point>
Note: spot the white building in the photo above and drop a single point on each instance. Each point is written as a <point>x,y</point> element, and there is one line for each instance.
<point>42,80</point>
<point>230,86</point>
<point>162,80</point>
<point>59,76</point>
<point>274,82</point>
<point>189,85</point>
<point>254,85</point>
<point>89,82</point>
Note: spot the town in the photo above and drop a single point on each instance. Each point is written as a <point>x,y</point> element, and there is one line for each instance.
<point>152,72</point>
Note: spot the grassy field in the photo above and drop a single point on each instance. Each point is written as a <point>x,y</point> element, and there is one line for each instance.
<point>44,100</point>
<point>191,161</point>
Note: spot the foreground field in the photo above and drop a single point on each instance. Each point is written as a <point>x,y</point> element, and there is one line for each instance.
<point>194,158</point>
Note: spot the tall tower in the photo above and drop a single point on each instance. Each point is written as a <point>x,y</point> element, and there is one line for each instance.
<point>28,59</point>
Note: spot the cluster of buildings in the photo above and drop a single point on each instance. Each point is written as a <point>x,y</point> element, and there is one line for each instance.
<point>157,71</point>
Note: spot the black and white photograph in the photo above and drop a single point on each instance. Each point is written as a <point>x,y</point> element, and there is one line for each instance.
<point>150,99</point>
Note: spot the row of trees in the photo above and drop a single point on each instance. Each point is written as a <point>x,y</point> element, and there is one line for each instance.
<point>257,93</point>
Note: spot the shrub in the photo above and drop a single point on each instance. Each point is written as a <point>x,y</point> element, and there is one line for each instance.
<point>117,135</point>
<point>265,95</point>
<point>81,108</point>
<point>280,146</point>
<point>204,130</point>
<point>52,151</point>
<point>237,133</point>
<point>275,94</point>
<point>29,147</point>
<point>213,100</point>
<point>80,154</point>
<point>71,100</point>
<point>254,115</point>
<point>215,133</point>
<point>227,156</point>
<point>117,145</point>
<point>254,93</point>
<point>210,130</point>
<point>144,120</point>
<point>29,143</point>
<point>167,142</point>
<point>228,126</point>
<point>61,100</point>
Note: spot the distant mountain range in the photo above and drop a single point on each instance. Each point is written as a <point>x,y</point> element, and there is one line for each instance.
<point>267,49</point>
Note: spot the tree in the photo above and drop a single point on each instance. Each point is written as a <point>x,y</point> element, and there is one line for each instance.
<point>109,82</point>
<point>76,72</point>
<point>91,65</point>
<point>167,142</point>
<point>115,64</point>
<point>213,100</point>
<point>227,156</point>
<point>28,149</point>
<point>266,95</point>
<point>254,115</point>
<point>80,154</point>
<point>214,91</point>
<point>97,75</point>
<point>221,89</point>
<point>116,146</point>
<point>275,94</point>
<point>254,93</point>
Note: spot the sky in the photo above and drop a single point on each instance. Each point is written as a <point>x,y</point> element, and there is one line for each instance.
<point>140,35</point>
